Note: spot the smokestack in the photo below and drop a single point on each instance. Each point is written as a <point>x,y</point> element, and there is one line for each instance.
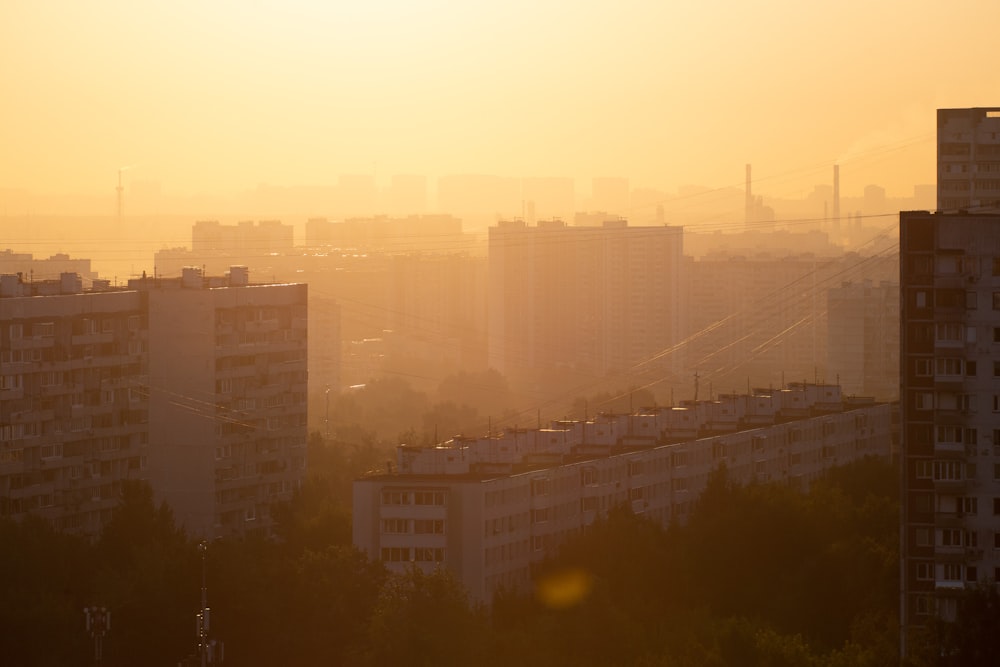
<point>836,195</point>
<point>748,215</point>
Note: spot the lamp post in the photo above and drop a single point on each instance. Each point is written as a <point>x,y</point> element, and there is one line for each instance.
<point>98,624</point>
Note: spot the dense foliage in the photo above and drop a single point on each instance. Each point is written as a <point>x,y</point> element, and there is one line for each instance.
<point>759,575</point>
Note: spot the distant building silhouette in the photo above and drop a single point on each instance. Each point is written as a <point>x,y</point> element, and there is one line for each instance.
<point>595,300</point>
<point>863,338</point>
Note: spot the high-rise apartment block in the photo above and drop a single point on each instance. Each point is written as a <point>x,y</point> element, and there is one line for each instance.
<point>968,159</point>
<point>595,300</point>
<point>950,409</point>
<point>195,384</point>
<point>863,338</point>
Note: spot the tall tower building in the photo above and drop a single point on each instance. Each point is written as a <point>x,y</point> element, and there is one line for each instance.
<point>950,410</point>
<point>968,159</point>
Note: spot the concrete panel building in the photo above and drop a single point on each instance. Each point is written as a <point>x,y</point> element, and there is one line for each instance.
<point>488,508</point>
<point>194,384</point>
<point>950,409</point>
<point>595,300</point>
<point>968,159</point>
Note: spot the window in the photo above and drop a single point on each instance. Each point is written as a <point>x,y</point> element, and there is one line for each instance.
<point>949,332</point>
<point>921,299</point>
<point>16,331</point>
<point>428,498</point>
<point>924,605</point>
<point>996,334</point>
<point>539,487</point>
<point>971,573</point>
<point>996,300</point>
<point>428,555</point>
<point>540,515</point>
<point>922,537</point>
<point>925,571</point>
<point>395,498</point>
<point>996,402</point>
<point>968,505</point>
<point>971,300</point>
<point>948,470</point>
<point>396,526</point>
<point>948,366</point>
<point>996,506</point>
<point>922,368</point>
<point>970,367</point>
<point>43,329</point>
<point>924,400</point>
<point>428,526</point>
<point>395,554</point>
<point>924,469</point>
<point>951,537</point>
<point>8,382</point>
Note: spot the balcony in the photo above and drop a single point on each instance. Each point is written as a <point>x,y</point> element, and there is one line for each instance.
<point>950,450</point>
<point>943,554</point>
<point>953,486</point>
<point>949,519</point>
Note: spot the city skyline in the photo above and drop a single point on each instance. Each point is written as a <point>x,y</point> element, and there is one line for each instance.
<point>222,98</point>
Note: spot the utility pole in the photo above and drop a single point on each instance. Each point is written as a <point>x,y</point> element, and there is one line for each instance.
<point>98,624</point>
<point>209,651</point>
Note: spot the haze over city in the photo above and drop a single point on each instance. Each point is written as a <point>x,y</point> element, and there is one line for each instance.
<point>216,98</point>
<point>499,333</point>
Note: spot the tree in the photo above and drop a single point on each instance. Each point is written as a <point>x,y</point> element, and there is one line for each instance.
<point>46,584</point>
<point>425,619</point>
<point>148,574</point>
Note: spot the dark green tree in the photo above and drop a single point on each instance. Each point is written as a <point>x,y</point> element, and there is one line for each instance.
<point>425,619</point>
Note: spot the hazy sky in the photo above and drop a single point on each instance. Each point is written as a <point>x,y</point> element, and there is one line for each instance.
<point>221,96</point>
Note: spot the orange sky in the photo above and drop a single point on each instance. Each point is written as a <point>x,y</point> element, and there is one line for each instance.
<point>221,96</point>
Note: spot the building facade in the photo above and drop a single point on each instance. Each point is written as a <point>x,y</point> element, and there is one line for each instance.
<point>863,338</point>
<point>196,385</point>
<point>968,159</point>
<point>950,409</point>
<point>488,508</point>
<point>599,301</point>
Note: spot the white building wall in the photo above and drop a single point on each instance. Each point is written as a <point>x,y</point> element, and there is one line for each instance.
<point>497,525</point>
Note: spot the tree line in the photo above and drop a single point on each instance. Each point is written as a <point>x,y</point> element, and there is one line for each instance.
<point>759,575</point>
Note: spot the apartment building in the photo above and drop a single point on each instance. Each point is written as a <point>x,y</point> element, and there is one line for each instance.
<point>968,159</point>
<point>950,409</point>
<point>194,384</point>
<point>487,508</point>
<point>863,338</point>
<point>595,300</point>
